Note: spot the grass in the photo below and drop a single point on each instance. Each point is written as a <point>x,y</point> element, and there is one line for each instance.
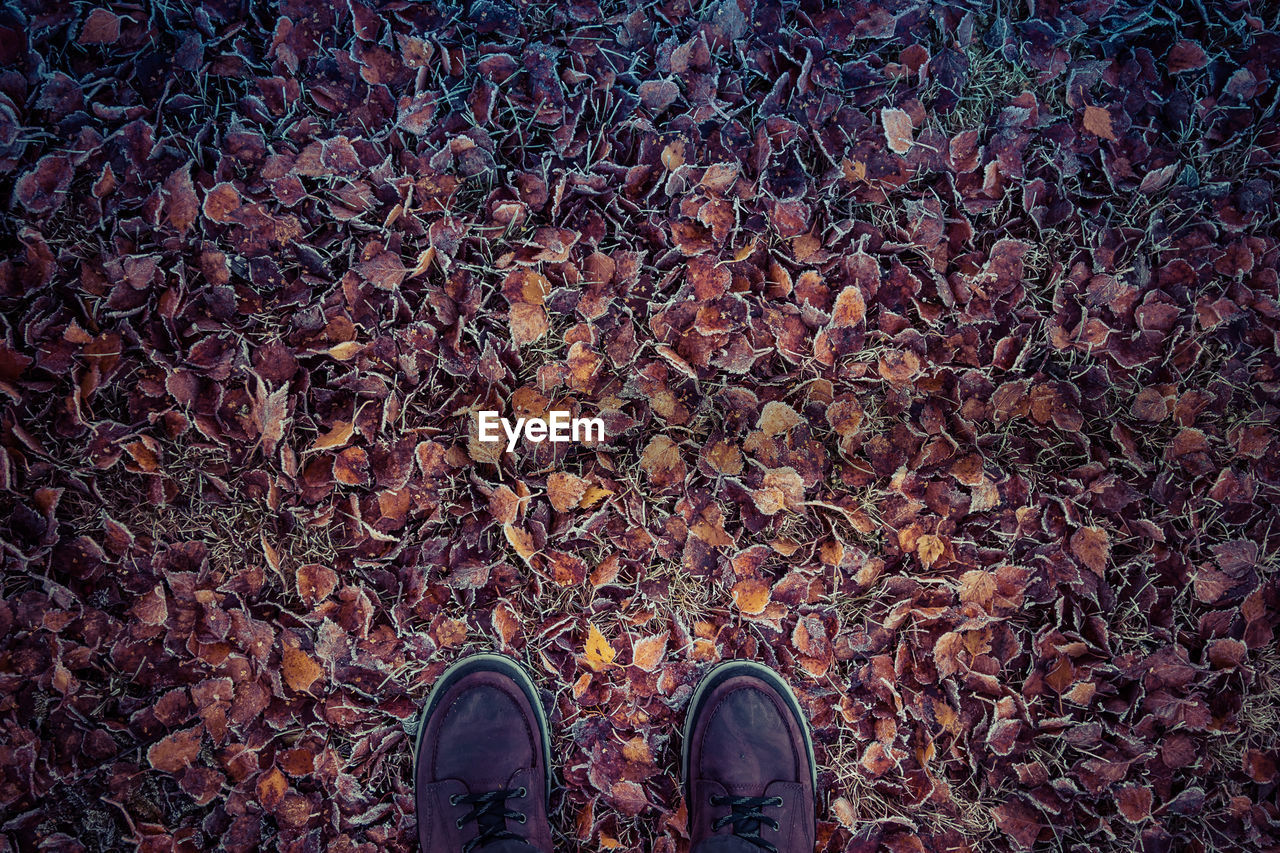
<point>1258,720</point>
<point>992,82</point>
<point>233,529</point>
<point>879,800</point>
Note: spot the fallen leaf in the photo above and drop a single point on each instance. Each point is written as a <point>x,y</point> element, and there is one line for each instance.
<point>647,652</point>
<point>898,132</point>
<point>598,652</point>
<point>565,490</point>
<point>1098,122</point>
<point>337,436</point>
<point>300,671</point>
<point>751,595</point>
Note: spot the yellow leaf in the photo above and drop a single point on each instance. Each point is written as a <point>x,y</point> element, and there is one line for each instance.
<point>345,350</point>
<point>1098,122</point>
<point>929,548</point>
<point>977,587</point>
<point>336,437</point>
<point>593,495</point>
<point>599,653</point>
<point>854,170</point>
<point>521,540</point>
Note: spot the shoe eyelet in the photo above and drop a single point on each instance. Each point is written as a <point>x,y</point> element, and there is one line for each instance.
<point>453,799</point>
<point>458,823</point>
<point>711,799</point>
<point>522,818</point>
<point>521,792</point>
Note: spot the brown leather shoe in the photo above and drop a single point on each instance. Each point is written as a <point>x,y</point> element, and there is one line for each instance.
<point>748,764</point>
<point>482,767</point>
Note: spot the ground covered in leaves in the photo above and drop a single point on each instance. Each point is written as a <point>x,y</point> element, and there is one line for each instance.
<point>937,347</point>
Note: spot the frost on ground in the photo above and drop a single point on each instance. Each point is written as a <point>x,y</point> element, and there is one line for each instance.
<point>937,349</point>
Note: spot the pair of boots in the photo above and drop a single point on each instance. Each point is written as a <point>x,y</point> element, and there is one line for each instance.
<point>482,771</point>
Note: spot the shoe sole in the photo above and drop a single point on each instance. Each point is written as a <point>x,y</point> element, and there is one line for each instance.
<point>488,663</point>
<point>730,669</point>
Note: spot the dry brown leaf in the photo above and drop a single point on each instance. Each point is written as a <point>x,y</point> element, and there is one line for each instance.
<point>782,488</point>
<point>1098,122</point>
<point>300,671</point>
<point>777,418</point>
<point>1092,546</point>
<point>177,751</point>
<point>662,463</point>
<point>724,457</point>
<point>565,490</point>
<point>528,323</point>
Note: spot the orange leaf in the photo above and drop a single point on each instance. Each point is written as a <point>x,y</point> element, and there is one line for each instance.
<point>875,760</point>
<point>505,623</point>
<point>176,751</point>
<point>850,309</point>
<point>751,595</point>
<point>1092,546</point>
<point>648,652</point>
<point>899,366</point>
<point>299,670</point>
<point>272,786</point>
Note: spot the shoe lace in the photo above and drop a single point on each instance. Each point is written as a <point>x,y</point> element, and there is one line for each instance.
<point>489,811</point>
<point>747,816</point>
